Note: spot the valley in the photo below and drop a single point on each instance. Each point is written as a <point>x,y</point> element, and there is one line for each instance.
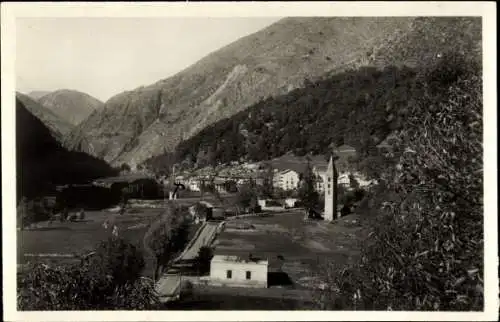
<point>320,163</point>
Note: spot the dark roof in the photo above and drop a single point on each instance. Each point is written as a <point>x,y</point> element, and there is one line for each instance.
<point>345,148</point>
<point>124,178</point>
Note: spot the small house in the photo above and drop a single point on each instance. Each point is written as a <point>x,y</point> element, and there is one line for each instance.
<point>238,271</point>
<point>290,202</point>
<point>270,204</point>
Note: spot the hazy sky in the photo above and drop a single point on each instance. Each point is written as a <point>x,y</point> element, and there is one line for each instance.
<point>106,56</point>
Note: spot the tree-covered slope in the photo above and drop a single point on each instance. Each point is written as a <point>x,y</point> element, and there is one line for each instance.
<point>41,161</point>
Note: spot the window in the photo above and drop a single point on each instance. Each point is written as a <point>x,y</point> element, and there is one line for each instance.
<point>249,275</point>
<point>329,179</point>
<point>229,274</point>
<point>329,186</point>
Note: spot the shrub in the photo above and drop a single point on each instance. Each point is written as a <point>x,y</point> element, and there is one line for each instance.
<point>108,280</point>
<point>426,248</point>
<point>117,259</point>
<point>203,259</point>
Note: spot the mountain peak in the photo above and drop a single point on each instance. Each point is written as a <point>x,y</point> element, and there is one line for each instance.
<point>268,63</point>
<point>71,105</point>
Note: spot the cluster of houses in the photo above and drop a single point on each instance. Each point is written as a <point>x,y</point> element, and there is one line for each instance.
<point>285,177</point>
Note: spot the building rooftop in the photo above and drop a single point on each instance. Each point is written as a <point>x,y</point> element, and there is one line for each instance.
<point>124,178</point>
<point>239,259</point>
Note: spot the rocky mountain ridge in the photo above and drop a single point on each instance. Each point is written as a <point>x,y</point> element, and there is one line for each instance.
<point>151,120</point>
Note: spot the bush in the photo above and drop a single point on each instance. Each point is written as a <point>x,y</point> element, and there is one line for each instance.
<point>32,211</point>
<point>426,248</point>
<point>203,259</point>
<point>108,280</point>
<point>117,259</point>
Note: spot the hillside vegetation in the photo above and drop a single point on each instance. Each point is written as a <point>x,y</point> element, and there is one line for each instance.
<point>71,106</point>
<point>426,250</point>
<point>58,127</point>
<point>358,106</point>
<point>148,121</point>
<point>41,161</point>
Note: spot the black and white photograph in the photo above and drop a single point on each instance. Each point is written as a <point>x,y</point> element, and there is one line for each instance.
<point>276,161</point>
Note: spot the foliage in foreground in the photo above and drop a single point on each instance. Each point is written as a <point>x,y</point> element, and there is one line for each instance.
<point>107,280</point>
<point>426,248</point>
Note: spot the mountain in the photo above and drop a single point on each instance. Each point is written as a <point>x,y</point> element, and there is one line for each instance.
<point>359,107</point>
<point>41,160</point>
<point>149,120</point>
<point>70,105</point>
<point>289,54</point>
<point>37,94</point>
<point>57,126</point>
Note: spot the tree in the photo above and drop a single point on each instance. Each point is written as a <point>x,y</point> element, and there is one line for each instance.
<point>353,183</point>
<point>167,236</point>
<point>426,248</point>
<point>81,215</point>
<point>117,259</point>
<point>307,193</point>
<point>107,279</point>
<point>205,254</point>
<point>246,197</point>
<point>267,188</point>
<point>124,167</point>
<point>25,215</point>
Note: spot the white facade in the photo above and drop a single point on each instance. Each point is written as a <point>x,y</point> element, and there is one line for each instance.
<point>286,180</point>
<point>269,205</point>
<point>290,202</point>
<point>237,271</point>
<point>343,179</point>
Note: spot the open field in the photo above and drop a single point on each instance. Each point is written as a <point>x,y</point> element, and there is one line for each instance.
<point>56,242</point>
<point>295,246</point>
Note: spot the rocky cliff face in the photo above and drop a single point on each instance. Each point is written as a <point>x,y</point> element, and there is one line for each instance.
<point>71,106</point>
<point>150,120</point>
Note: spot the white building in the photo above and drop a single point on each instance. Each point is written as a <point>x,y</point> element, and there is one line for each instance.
<point>269,204</point>
<point>343,179</point>
<point>320,173</point>
<point>237,271</point>
<point>286,180</point>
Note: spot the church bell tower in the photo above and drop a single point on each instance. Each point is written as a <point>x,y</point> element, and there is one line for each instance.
<point>330,184</point>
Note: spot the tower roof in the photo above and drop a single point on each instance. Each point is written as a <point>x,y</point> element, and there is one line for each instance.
<point>331,166</point>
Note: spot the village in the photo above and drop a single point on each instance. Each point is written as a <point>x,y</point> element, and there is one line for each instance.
<point>269,243</point>
<point>261,162</point>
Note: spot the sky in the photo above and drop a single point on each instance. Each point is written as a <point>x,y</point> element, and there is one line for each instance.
<point>106,56</point>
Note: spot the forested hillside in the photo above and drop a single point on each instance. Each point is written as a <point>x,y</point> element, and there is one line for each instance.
<point>359,108</point>
<point>41,161</point>
<point>425,250</point>
<point>358,104</point>
<point>149,120</point>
